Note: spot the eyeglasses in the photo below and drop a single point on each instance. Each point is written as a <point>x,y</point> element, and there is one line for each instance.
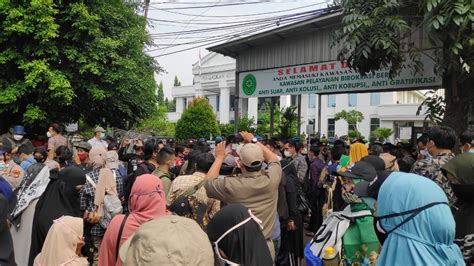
<point>216,248</point>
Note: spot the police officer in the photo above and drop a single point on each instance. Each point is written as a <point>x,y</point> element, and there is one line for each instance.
<point>11,171</point>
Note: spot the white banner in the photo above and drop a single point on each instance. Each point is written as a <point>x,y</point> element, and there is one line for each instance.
<point>331,77</point>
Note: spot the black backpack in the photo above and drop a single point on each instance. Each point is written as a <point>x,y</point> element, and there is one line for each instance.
<point>188,206</point>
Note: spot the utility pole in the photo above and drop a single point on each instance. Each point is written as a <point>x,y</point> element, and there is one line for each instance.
<point>147,4</point>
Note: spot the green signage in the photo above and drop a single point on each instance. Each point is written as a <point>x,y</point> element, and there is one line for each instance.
<point>249,84</point>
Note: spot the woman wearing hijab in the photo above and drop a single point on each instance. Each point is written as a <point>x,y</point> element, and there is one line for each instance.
<point>63,244</point>
<point>60,198</point>
<point>27,196</point>
<point>416,222</point>
<point>237,237</point>
<point>460,172</point>
<point>294,228</point>
<point>147,201</point>
<point>357,151</point>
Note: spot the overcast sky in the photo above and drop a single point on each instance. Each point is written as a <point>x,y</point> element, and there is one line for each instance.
<point>179,25</point>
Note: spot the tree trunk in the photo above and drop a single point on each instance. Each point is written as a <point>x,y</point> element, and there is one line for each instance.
<point>459,98</point>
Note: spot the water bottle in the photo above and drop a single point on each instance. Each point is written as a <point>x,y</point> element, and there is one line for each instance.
<point>330,256</point>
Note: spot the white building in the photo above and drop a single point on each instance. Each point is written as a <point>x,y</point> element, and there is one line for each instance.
<point>215,80</point>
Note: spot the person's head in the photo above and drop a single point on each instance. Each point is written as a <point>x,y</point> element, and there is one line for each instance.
<point>109,140</point>
<point>441,138</point>
<point>376,149</point>
<point>192,161</point>
<point>336,153</point>
<point>63,156</point>
<point>18,132</point>
<point>273,146</point>
<point>467,141</point>
<point>166,157</point>
<point>72,180</point>
<point>250,158</point>
<point>5,153</point>
<point>292,148</point>
<point>99,133</point>
<point>339,143</point>
<point>97,157</point>
<point>25,150</point>
<point>202,146</point>
<point>63,242</point>
<point>151,149</point>
<point>313,152</point>
<point>422,141</point>
<point>168,240</point>
<point>204,162</point>
<point>138,146</point>
<point>375,161</point>
<point>181,151</point>
<point>82,151</point>
<point>237,237</point>
<point>41,154</point>
<point>54,129</point>
<point>147,198</point>
<point>418,208</point>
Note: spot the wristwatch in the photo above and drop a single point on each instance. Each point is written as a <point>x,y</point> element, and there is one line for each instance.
<point>254,140</point>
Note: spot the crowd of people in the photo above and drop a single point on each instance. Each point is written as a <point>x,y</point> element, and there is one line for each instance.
<point>235,200</point>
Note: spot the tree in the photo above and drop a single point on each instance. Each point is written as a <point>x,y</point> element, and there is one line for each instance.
<point>177,83</point>
<point>245,124</point>
<point>288,122</point>
<point>377,34</point>
<point>157,124</point>
<point>160,95</point>
<point>352,118</point>
<point>71,60</point>
<point>197,121</point>
<point>382,133</point>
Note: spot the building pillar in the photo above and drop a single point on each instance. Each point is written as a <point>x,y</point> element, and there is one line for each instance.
<point>285,101</point>
<point>213,102</point>
<point>252,110</point>
<point>304,113</point>
<point>224,105</point>
<point>179,105</point>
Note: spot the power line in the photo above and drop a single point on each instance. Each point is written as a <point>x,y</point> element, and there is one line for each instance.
<point>227,27</point>
<point>242,15</point>
<point>197,7</point>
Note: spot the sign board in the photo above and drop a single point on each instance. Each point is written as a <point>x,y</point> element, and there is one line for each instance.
<point>405,133</point>
<point>331,77</point>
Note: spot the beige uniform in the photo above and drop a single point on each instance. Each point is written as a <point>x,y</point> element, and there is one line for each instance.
<point>14,174</point>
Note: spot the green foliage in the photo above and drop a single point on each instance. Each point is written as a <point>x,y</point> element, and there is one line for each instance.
<point>170,105</point>
<point>355,135</point>
<point>435,107</point>
<point>352,117</point>
<point>381,133</point>
<point>160,97</point>
<point>65,61</point>
<point>197,121</point>
<point>157,124</point>
<point>177,83</point>
<point>288,123</point>
<point>245,124</point>
<point>227,129</point>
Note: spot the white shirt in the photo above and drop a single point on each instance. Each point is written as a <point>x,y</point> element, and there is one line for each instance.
<point>97,143</point>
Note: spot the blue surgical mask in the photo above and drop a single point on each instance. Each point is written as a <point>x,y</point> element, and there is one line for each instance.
<point>102,135</point>
<point>3,165</point>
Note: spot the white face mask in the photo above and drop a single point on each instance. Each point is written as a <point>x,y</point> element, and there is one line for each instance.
<point>17,137</point>
<point>49,134</point>
<point>235,146</point>
<point>287,153</point>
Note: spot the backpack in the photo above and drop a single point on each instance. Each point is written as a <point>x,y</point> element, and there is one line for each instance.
<point>188,206</point>
<point>330,234</point>
<point>112,205</point>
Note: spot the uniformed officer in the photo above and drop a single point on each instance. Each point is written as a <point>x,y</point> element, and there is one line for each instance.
<point>11,171</point>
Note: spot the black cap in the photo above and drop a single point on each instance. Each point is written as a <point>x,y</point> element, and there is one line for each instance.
<point>375,161</point>
<point>363,170</point>
<point>5,147</point>
<point>371,189</point>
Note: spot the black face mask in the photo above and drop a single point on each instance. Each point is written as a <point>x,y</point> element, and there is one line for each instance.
<point>382,234</point>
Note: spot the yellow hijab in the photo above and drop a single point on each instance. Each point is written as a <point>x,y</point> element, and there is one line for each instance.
<point>357,152</point>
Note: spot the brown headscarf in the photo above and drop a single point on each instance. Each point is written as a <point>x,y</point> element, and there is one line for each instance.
<point>106,183</point>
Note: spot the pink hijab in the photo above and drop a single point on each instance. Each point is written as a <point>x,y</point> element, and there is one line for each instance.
<point>147,201</point>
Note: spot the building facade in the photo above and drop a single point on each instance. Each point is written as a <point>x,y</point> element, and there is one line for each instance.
<point>214,79</point>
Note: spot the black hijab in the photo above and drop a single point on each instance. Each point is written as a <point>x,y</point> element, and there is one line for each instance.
<point>6,251</point>
<point>60,198</point>
<point>246,244</point>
